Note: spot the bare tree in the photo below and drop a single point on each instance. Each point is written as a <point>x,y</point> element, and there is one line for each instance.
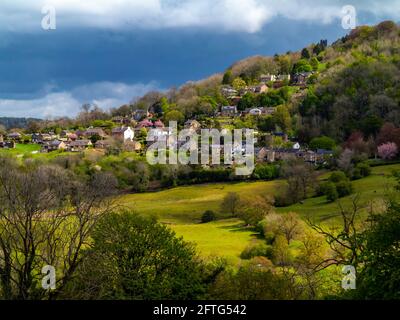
<point>230,203</point>
<point>343,239</point>
<point>46,215</point>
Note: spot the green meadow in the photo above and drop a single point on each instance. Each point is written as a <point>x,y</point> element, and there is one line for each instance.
<point>21,149</point>
<point>181,208</point>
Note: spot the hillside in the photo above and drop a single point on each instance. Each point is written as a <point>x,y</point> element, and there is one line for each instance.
<point>181,209</point>
<point>10,122</point>
<point>319,90</point>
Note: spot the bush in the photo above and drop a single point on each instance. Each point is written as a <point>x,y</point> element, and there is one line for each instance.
<point>365,169</point>
<point>344,188</point>
<point>331,192</point>
<point>258,250</point>
<point>266,172</point>
<point>208,216</point>
<point>338,176</point>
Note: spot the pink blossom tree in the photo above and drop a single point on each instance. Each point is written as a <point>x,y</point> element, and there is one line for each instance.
<point>388,150</point>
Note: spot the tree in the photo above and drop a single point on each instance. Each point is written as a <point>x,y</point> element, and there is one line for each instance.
<point>134,257</point>
<point>230,203</point>
<point>291,226</point>
<point>288,225</point>
<point>320,47</point>
<point>305,53</point>
<point>323,142</point>
<point>227,79</point>
<point>302,66</point>
<point>248,100</point>
<point>46,216</point>
<point>282,118</point>
<point>329,189</point>
<point>314,64</point>
<point>254,209</point>
<point>379,278</point>
<point>344,238</point>
<point>345,161</point>
<point>174,115</point>
<point>33,126</point>
<point>208,216</point>
<point>300,179</point>
<point>388,133</point>
<point>280,251</point>
<point>238,83</point>
<point>388,151</point>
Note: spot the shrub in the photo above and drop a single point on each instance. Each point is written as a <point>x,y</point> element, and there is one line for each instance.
<point>208,216</point>
<point>258,250</point>
<point>338,176</point>
<point>363,169</point>
<point>344,188</point>
<point>331,192</point>
<point>266,172</point>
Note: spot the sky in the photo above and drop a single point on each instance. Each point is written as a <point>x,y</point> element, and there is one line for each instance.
<point>108,52</point>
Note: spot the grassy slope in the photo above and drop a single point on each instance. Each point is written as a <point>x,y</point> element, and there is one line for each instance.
<point>21,149</point>
<point>182,207</point>
<point>371,188</point>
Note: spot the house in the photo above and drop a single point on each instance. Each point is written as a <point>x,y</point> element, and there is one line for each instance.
<point>64,134</point>
<point>7,144</point>
<point>15,136</point>
<point>267,78</point>
<point>260,89</point>
<point>228,92</point>
<point>123,133</point>
<point>72,136</point>
<point>133,145</point>
<point>103,144</point>
<point>255,111</point>
<point>79,145</point>
<point>42,137</point>
<point>228,111</point>
<point>118,119</point>
<point>35,138</point>
<point>323,155</point>
<point>192,124</point>
<point>283,77</point>
<point>300,79</point>
<point>296,146</point>
<point>262,154</point>
<point>90,132</point>
<point>53,146</point>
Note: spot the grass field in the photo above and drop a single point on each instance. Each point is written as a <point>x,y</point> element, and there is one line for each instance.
<point>21,149</point>
<point>182,207</point>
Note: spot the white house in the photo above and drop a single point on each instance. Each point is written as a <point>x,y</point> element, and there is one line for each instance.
<point>296,146</point>
<point>124,133</point>
<point>255,112</point>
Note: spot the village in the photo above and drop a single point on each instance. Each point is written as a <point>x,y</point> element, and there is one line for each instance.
<point>129,132</point>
